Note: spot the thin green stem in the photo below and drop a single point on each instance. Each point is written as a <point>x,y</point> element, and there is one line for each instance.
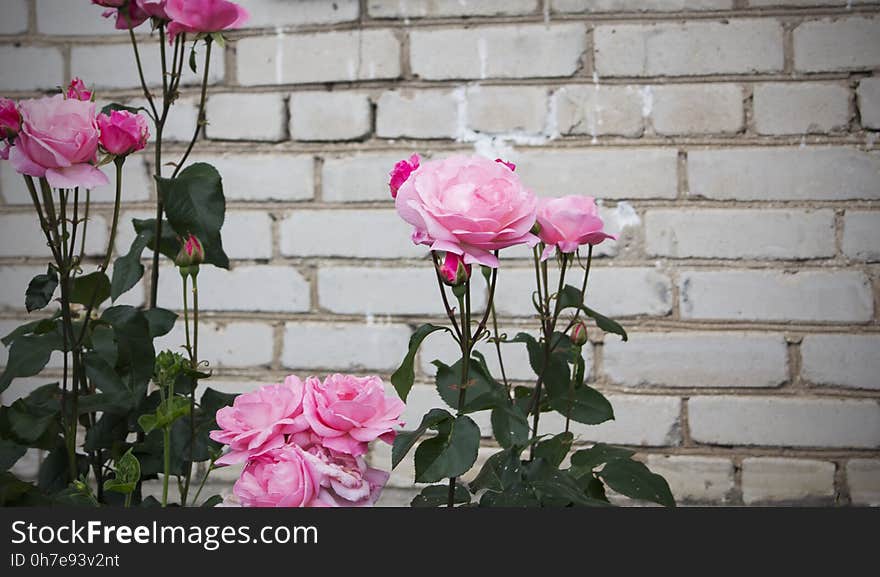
<point>205,478</point>
<point>85,225</point>
<point>195,383</point>
<point>464,305</point>
<point>166,440</point>
<point>119,161</point>
<point>201,121</point>
<point>140,68</point>
<point>449,312</point>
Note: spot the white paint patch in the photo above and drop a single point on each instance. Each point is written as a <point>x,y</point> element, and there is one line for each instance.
<point>626,215</point>
<point>647,101</point>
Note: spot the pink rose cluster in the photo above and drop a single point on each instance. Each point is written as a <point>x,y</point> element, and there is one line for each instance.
<point>303,443</point>
<point>58,137</point>
<point>198,16</point>
<point>470,207</point>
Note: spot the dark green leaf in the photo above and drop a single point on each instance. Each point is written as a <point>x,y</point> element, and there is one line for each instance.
<point>403,377</point>
<point>128,473</point>
<point>509,425</point>
<point>405,440</point>
<point>194,204</point>
<point>116,106</point>
<point>102,375</point>
<point>15,492</point>
<point>585,404</point>
<point>634,479</point>
<point>137,356</point>
<point>10,453</point>
<point>595,489</point>
<point>500,471</point>
<point>554,449</point>
<point>28,355</point>
<point>54,471</point>
<point>212,501</point>
<point>127,269</point>
<point>438,496</point>
<point>192,60</point>
<point>109,432</point>
<point>160,321</point>
<point>104,344</point>
<point>91,289</point>
<point>598,454</point>
<point>38,327</point>
<point>40,290</point>
<point>555,488</point>
<point>482,391</point>
<point>451,453</point>
<point>169,245</point>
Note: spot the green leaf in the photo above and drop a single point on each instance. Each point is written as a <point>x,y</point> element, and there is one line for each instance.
<point>594,489</point>
<point>192,60</point>
<point>405,440</point>
<point>104,343</point>
<point>28,355</point>
<point>116,106</point>
<point>554,449</point>
<point>109,432</point>
<point>212,501</point>
<point>127,269</point>
<point>194,204</point>
<point>10,453</point>
<point>598,454</point>
<point>586,404</point>
<point>169,244</point>
<point>137,356</point>
<point>482,391</point>
<point>40,290</point>
<point>37,327</point>
<point>91,289</point>
<point>572,298</point>
<point>148,423</point>
<point>555,488</point>
<point>160,321</point>
<point>166,413</point>
<point>128,473</point>
<point>634,479</point>
<point>509,425</point>
<point>54,470</point>
<point>102,375</point>
<point>451,453</point>
<point>403,377</point>
<point>14,491</point>
<point>438,496</point>
<point>500,471</point>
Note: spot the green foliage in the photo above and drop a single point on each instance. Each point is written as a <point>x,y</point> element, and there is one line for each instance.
<point>40,290</point>
<point>438,495</point>
<point>404,376</point>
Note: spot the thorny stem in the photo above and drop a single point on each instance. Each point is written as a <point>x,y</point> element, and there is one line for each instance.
<point>464,305</point>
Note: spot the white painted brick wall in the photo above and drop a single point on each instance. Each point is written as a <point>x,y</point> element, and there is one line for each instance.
<point>30,68</point>
<point>842,360</point>
<point>274,13</point>
<point>575,6</point>
<point>599,110</point>
<point>837,44</point>
<point>695,479</point>
<point>329,115</point>
<point>682,109</point>
<point>259,117</point>
<point>15,17</point>
<point>263,177</point>
<point>368,346</point>
<point>417,114</point>
<point>52,18</point>
<point>869,102</point>
<point>225,345</point>
<point>790,108</point>
<point>861,235</point>
<point>864,481</point>
<point>247,235</point>
<point>735,234</point>
<point>444,8</point>
<point>696,359</point>
<point>768,480</point>
<point>20,235</point>
<point>498,109</point>
<point>764,421</point>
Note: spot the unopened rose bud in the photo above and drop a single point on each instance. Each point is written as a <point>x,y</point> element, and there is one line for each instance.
<point>192,253</point>
<point>76,90</point>
<point>579,335</point>
<point>453,271</point>
<point>401,173</point>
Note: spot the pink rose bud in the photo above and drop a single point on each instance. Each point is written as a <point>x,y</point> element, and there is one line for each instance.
<point>453,271</point>
<point>509,165</point>
<point>76,90</point>
<point>123,132</point>
<point>10,119</point>
<point>153,8</point>
<point>203,16</point>
<point>401,172</point>
<point>128,13</point>
<point>191,253</point>
<point>569,222</point>
<point>579,334</point>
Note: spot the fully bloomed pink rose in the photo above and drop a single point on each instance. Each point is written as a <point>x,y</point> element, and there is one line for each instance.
<point>401,172</point>
<point>77,90</point>
<point>348,412</point>
<point>346,481</point>
<point>123,132</point>
<point>258,422</point>
<point>569,222</point>
<point>282,477</point>
<point>203,16</point>
<point>467,205</point>
<point>58,140</point>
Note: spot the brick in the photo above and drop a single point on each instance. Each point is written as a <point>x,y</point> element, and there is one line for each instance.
<point>112,65</point>
<point>276,13</point>
<point>602,173</point>
<point>319,57</point>
<point>671,49</point>
<point>642,420</point>
<point>851,361</point>
<point>20,235</point>
<point>263,177</point>
<point>863,476</point>
<point>861,235</point>
<point>358,178</point>
<point>27,467</point>
<point>446,8</point>
<point>776,296</point>
<point>769,480</point>
<point>696,359</point>
<point>788,108</point>
<point>695,479</point>
<point>788,422</point>
<point>30,68</point>
<point>383,291</point>
<point>812,173</point>
<point>837,44</point>
<point>570,6</point>
<point>417,114</point>
<point>344,347</point>
<point>246,117</point>
<point>697,109</point>
<point>243,288</point>
<point>501,51</point>
<point>15,17</point>
<point>758,3</point>
<point>740,234</point>
<point>247,235</point>
<point>599,110</point>
<point>225,345</point>
<point>330,116</point>
<point>869,102</point>
<point>371,234</point>
<point>618,292</point>
<point>499,109</point>
<point>56,17</point>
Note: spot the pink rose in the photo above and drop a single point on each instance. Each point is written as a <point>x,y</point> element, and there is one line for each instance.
<point>258,421</point>
<point>349,412</point>
<point>509,165</point>
<point>58,140</point>
<point>123,132</point>
<point>401,172</point>
<point>153,8</point>
<point>76,90</point>
<point>128,13</point>
<point>569,222</point>
<point>203,16</point>
<point>346,481</point>
<point>10,119</point>
<point>109,3</point>
<point>453,271</point>
<point>283,477</point>
<point>467,205</point>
